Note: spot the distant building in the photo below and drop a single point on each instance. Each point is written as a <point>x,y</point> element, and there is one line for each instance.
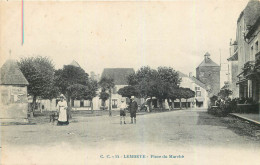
<point>120,79</point>
<point>13,89</point>
<point>208,72</point>
<point>94,76</point>
<point>247,55</point>
<point>201,94</point>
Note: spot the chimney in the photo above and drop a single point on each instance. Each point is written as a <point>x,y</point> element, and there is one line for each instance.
<point>206,56</point>
<point>190,74</point>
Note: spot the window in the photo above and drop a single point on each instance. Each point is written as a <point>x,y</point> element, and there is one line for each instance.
<point>197,88</point>
<point>251,53</point>
<point>256,47</point>
<point>114,103</point>
<point>198,93</point>
<point>81,103</point>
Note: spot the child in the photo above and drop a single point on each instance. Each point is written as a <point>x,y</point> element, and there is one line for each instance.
<point>122,111</point>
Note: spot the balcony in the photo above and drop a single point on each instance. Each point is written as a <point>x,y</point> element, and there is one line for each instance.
<point>248,67</point>
<point>257,62</point>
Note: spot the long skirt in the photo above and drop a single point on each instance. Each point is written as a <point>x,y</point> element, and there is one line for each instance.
<point>63,117</point>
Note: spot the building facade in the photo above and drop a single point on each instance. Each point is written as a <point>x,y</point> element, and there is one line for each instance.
<point>233,69</point>
<point>247,54</point>
<point>119,75</point>
<point>201,95</point>
<point>208,72</point>
<point>13,90</point>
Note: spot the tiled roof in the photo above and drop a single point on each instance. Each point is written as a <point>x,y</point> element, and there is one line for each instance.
<point>118,74</point>
<point>252,12</point>
<point>74,63</point>
<point>182,74</point>
<point>11,74</point>
<point>196,81</point>
<point>207,61</point>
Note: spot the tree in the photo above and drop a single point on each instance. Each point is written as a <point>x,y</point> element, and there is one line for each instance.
<point>167,80</point>
<point>74,83</point>
<point>39,72</point>
<point>107,84</point>
<point>179,94</point>
<point>224,93</point>
<point>128,91</point>
<point>188,93</point>
<point>155,83</point>
<point>103,96</point>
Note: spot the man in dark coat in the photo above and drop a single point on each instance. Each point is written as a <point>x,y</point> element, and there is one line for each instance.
<point>133,108</point>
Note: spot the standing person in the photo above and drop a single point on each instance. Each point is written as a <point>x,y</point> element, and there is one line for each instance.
<point>133,108</point>
<point>122,111</point>
<point>62,110</point>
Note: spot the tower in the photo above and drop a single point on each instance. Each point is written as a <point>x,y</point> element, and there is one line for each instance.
<point>208,72</point>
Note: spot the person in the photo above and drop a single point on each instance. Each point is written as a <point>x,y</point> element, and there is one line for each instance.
<point>122,111</point>
<point>62,110</point>
<point>133,108</point>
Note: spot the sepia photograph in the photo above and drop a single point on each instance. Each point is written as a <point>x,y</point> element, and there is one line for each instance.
<point>129,82</point>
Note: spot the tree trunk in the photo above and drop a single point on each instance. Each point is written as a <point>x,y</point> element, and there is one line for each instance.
<point>110,112</point>
<point>186,104</point>
<point>69,108</point>
<point>91,104</point>
<point>170,105</point>
<point>33,106</point>
<point>180,104</point>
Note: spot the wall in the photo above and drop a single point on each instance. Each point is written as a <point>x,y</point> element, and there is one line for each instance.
<point>234,72</point>
<point>210,76</point>
<point>189,83</point>
<point>14,102</point>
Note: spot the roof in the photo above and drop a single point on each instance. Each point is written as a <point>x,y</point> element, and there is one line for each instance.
<point>118,74</point>
<point>11,74</point>
<point>252,12</point>
<point>74,63</point>
<point>182,74</point>
<point>207,61</point>
<point>196,81</point>
<point>234,57</point>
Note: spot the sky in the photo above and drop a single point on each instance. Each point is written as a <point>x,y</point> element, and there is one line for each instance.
<point>102,35</point>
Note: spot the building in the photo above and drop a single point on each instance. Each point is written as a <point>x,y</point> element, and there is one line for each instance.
<point>208,72</point>
<point>201,94</point>
<point>247,54</point>
<point>233,69</point>
<point>120,76</point>
<point>13,89</point>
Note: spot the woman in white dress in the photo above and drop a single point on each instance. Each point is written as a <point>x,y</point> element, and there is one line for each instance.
<point>62,110</point>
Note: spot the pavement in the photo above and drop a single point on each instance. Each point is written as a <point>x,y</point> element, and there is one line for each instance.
<point>174,137</point>
<point>254,118</point>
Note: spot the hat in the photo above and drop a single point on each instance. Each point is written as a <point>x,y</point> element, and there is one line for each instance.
<point>132,97</point>
<point>62,96</point>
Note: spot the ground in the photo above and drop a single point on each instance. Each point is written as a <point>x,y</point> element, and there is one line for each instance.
<point>197,136</point>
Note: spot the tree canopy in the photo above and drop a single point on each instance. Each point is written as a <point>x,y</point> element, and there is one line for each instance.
<point>39,72</point>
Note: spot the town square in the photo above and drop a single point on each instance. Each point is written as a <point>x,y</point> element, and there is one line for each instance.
<point>128,82</point>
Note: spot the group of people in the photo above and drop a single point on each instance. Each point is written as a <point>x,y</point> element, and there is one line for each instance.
<point>63,118</point>
<point>132,109</point>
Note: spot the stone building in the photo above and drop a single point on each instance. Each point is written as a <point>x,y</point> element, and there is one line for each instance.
<point>208,72</point>
<point>247,54</point>
<point>13,89</point>
<point>120,79</point>
<point>201,95</point>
